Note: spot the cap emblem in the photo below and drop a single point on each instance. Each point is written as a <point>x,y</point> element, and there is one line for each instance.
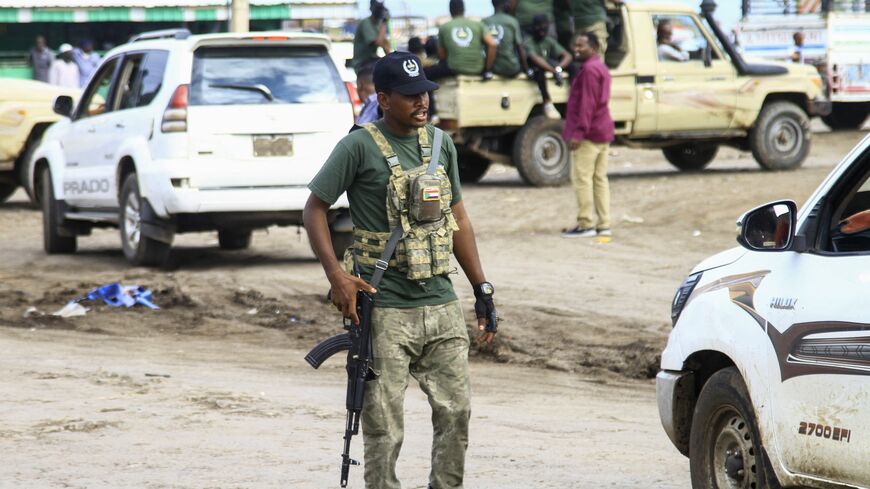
<point>411,68</point>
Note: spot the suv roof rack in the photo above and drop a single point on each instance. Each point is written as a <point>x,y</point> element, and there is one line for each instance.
<point>162,34</point>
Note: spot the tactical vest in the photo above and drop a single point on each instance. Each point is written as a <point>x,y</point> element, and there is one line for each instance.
<point>427,239</point>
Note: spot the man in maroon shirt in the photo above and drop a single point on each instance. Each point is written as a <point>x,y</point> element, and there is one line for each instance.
<point>589,131</point>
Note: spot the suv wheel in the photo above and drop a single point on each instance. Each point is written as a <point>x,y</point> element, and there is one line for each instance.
<point>234,240</point>
<point>341,240</point>
<point>52,238</point>
<point>691,156</point>
<point>6,191</point>
<point>847,116</point>
<point>472,166</point>
<point>780,139</point>
<point>725,448</point>
<point>540,154</point>
<point>138,248</point>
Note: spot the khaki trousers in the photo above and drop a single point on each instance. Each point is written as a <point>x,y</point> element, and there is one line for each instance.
<point>431,344</point>
<point>589,177</point>
<point>600,31</point>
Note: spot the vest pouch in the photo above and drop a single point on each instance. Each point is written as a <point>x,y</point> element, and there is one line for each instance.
<point>425,198</point>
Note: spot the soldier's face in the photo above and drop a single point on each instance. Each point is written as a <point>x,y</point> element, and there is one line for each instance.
<point>582,49</point>
<point>407,110</point>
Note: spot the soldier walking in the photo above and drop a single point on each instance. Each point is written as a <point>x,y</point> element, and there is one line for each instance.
<point>402,173</point>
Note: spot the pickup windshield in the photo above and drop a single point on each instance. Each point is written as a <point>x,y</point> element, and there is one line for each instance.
<point>264,75</point>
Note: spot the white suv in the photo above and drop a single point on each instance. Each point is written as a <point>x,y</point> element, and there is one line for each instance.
<point>764,380</point>
<point>178,133</point>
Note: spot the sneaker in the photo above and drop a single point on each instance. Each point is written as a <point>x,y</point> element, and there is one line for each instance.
<point>604,232</point>
<point>551,112</point>
<point>578,232</point>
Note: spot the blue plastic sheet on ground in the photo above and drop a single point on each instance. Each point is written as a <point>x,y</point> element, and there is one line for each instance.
<point>117,295</point>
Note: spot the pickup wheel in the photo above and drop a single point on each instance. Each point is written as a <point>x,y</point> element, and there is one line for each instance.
<point>139,249</point>
<point>341,240</point>
<point>725,447</point>
<point>847,116</point>
<point>472,166</point>
<point>6,191</point>
<point>691,156</point>
<point>540,154</point>
<point>52,239</point>
<point>234,240</point>
<point>780,139</point>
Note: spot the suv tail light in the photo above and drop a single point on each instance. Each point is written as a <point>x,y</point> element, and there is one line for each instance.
<point>355,101</point>
<point>175,115</point>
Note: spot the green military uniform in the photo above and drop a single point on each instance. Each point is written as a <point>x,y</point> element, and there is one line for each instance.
<point>417,325</point>
<point>463,40</point>
<point>527,10</point>
<point>364,47</point>
<point>547,48</point>
<point>505,30</point>
<point>589,16</point>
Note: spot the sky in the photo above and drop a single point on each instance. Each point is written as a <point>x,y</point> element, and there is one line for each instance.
<point>728,12</point>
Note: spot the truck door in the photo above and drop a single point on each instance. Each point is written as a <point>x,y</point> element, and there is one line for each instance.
<point>815,306</point>
<point>691,96</point>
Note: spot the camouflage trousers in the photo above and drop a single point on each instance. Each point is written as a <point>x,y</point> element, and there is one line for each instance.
<point>430,343</point>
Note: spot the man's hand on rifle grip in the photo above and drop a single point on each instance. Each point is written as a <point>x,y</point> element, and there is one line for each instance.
<point>344,289</point>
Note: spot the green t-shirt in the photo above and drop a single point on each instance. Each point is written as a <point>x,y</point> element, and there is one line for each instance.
<point>358,167</point>
<point>587,12</point>
<point>548,48</point>
<point>527,10</point>
<point>463,40</point>
<point>364,47</point>
<point>506,31</point>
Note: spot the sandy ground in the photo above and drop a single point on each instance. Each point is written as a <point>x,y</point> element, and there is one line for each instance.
<point>211,391</point>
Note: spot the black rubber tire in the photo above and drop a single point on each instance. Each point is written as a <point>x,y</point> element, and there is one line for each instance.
<point>6,191</point>
<point>691,156</point>
<point>52,240</point>
<point>778,124</point>
<point>472,166</point>
<point>847,116</point>
<point>725,433</point>
<point>234,240</point>
<point>340,242</point>
<point>540,154</point>
<point>140,250</point>
<point>22,173</point>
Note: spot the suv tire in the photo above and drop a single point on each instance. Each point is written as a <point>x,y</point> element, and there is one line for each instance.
<point>725,447</point>
<point>53,240</point>
<point>847,116</point>
<point>540,154</point>
<point>780,139</point>
<point>234,240</point>
<point>6,191</point>
<point>472,166</point>
<point>139,249</point>
<point>691,156</point>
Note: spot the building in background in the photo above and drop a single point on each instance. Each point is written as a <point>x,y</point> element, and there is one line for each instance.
<point>111,22</point>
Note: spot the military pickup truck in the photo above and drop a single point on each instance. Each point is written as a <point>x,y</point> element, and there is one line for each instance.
<point>25,113</point>
<point>688,109</point>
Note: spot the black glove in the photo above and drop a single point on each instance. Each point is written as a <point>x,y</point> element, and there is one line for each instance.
<point>484,307</point>
<point>487,75</point>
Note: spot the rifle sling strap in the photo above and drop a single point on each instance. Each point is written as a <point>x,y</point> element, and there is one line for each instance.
<point>384,263</point>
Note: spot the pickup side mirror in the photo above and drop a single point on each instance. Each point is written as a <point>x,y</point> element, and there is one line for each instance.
<point>770,227</point>
<point>708,55</point>
<point>63,105</point>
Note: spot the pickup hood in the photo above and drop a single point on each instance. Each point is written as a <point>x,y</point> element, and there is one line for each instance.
<point>721,259</point>
<point>30,90</point>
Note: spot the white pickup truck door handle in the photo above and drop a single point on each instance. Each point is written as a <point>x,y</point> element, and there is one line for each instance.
<point>120,125</point>
<point>92,130</point>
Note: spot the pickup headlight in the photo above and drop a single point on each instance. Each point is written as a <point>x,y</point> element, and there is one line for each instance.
<point>683,292</point>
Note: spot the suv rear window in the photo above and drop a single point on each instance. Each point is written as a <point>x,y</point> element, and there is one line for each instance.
<point>264,75</point>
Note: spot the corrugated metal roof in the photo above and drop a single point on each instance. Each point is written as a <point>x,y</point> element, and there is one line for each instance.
<point>80,4</point>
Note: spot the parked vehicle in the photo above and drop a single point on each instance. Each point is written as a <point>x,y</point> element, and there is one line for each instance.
<point>686,109</point>
<point>835,39</point>
<point>763,382</point>
<point>25,113</point>
<point>178,133</point>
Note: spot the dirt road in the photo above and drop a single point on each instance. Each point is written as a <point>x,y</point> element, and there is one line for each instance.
<point>211,391</point>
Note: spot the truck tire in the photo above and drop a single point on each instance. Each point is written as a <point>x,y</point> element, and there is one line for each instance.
<point>140,250</point>
<point>472,166</point>
<point>6,191</point>
<point>725,447</point>
<point>52,240</point>
<point>847,116</point>
<point>691,156</point>
<point>341,240</point>
<point>540,154</point>
<point>780,139</point>
<point>234,240</point>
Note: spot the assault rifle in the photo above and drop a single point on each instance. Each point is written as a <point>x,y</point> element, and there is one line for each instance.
<point>358,343</point>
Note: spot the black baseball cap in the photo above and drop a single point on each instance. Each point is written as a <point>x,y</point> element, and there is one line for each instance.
<point>402,72</point>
